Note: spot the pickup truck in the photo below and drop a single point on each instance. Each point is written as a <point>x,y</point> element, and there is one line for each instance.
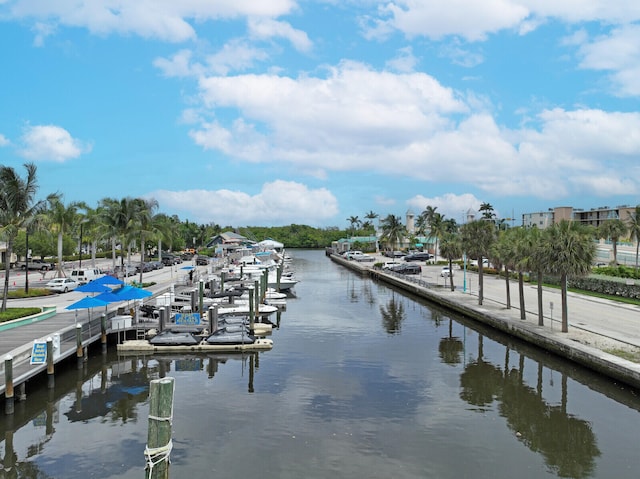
<point>37,264</point>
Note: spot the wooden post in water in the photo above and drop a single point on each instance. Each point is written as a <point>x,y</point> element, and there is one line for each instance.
<point>201,299</point>
<point>223,274</point>
<point>8,381</point>
<point>79,349</point>
<point>279,276</point>
<point>103,333</point>
<point>51,381</point>
<point>256,291</point>
<point>159,444</point>
<point>213,319</point>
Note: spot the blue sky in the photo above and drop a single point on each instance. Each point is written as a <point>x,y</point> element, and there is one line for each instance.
<point>272,112</point>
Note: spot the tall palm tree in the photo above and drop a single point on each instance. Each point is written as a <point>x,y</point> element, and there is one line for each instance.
<point>487,211</point>
<point>634,229</point>
<point>393,231</point>
<point>62,218</point>
<point>536,261</point>
<point>503,254</point>
<point>144,223</point>
<point>17,208</point>
<point>354,222</point>
<point>371,216</point>
<point>477,238</point>
<point>451,248</point>
<point>569,249</point>
<point>613,229</point>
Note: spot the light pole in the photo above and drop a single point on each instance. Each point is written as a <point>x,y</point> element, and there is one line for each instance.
<point>26,261</point>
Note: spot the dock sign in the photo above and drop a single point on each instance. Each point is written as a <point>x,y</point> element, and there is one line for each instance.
<point>39,352</point>
<point>188,319</point>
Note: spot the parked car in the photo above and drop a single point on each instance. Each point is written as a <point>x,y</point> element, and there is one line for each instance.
<point>62,285</point>
<point>157,264</point>
<point>126,270</point>
<point>407,268</point>
<point>394,254</point>
<point>390,264</point>
<point>446,272</point>
<point>352,253</point>
<point>37,264</point>
<point>144,267</point>
<point>420,256</point>
<point>363,257</point>
<point>485,263</point>
<point>83,276</point>
<point>202,260</point>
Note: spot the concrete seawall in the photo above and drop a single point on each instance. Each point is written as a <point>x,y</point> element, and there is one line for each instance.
<point>579,345</point>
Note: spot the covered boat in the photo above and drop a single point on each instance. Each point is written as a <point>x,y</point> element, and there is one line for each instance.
<point>174,338</point>
<point>223,336</point>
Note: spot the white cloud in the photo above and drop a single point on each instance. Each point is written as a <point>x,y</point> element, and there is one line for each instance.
<point>450,205</point>
<point>410,126</point>
<point>166,20</point>
<point>4,141</point>
<point>50,142</point>
<point>618,53</point>
<point>283,202</point>
<point>266,28</point>
<point>436,19</point>
<point>475,21</point>
<point>404,62</point>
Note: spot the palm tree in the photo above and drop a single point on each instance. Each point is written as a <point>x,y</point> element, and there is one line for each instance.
<point>569,249</point>
<point>487,211</point>
<point>62,218</point>
<point>634,229</point>
<point>144,224</point>
<point>355,223</point>
<point>503,253</point>
<point>393,231</point>
<point>477,238</point>
<point>613,229</point>
<point>17,208</point>
<point>451,248</point>
<point>370,216</point>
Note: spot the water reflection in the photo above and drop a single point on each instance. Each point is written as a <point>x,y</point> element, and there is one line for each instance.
<point>392,315</point>
<point>107,389</point>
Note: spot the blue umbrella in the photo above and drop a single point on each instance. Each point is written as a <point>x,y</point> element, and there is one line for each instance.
<point>93,287</point>
<point>109,297</point>
<point>88,302</point>
<point>108,279</point>
<point>127,293</point>
<point>187,267</point>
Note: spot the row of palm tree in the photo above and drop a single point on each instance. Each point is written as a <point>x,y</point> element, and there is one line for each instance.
<point>125,222</point>
<point>564,250</point>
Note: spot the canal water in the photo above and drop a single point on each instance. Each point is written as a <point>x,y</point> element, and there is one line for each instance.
<point>363,382</point>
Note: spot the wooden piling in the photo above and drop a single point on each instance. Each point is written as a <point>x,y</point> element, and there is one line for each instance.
<point>51,382</point>
<point>79,348</point>
<point>8,389</point>
<point>159,444</point>
<point>201,298</point>
<point>103,333</point>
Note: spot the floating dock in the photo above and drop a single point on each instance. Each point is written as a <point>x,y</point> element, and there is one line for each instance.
<point>143,346</point>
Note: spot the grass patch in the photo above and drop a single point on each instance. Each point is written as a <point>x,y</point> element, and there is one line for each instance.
<point>17,313</point>
<point>633,356</point>
<point>33,293</point>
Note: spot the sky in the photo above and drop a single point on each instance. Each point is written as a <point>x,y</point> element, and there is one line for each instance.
<point>273,112</point>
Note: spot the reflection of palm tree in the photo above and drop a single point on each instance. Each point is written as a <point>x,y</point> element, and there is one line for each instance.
<point>392,315</point>
<point>450,347</point>
<point>481,381</point>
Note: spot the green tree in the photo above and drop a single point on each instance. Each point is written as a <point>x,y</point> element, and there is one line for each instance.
<point>354,224</point>
<point>487,211</point>
<point>62,218</point>
<point>477,239</point>
<point>614,230</point>
<point>451,248</point>
<point>393,231</point>
<point>17,208</point>
<point>634,229</point>
<point>569,249</point>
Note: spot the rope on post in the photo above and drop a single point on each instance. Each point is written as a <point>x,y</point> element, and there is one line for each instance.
<point>159,442</point>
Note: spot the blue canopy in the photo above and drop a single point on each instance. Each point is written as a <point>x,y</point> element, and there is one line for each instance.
<point>93,287</point>
<point>108,279</point>
<point>86,303</point>
<point>129,292</point>
<point>109,297</point>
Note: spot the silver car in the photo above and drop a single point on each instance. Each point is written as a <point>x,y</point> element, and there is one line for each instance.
<point>62,285</point>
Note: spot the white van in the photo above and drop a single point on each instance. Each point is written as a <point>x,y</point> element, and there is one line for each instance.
<point>83,276</point>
